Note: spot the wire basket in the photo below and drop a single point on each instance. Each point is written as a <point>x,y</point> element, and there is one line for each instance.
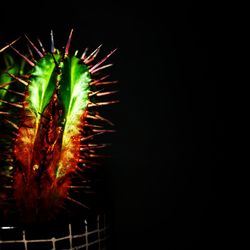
<point>87,234</point>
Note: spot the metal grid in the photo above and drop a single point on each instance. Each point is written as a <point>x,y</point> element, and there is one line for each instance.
<point>88,237</point>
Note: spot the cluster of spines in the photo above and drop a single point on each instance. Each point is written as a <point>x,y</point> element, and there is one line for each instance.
<point>91,128</point>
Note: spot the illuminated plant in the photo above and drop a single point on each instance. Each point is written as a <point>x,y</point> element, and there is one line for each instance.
<point>48,121</point>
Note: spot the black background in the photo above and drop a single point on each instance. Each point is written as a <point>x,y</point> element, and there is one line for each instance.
<point>164,177</point>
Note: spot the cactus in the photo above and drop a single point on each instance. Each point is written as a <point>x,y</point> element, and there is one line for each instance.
<point>48,120</point>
